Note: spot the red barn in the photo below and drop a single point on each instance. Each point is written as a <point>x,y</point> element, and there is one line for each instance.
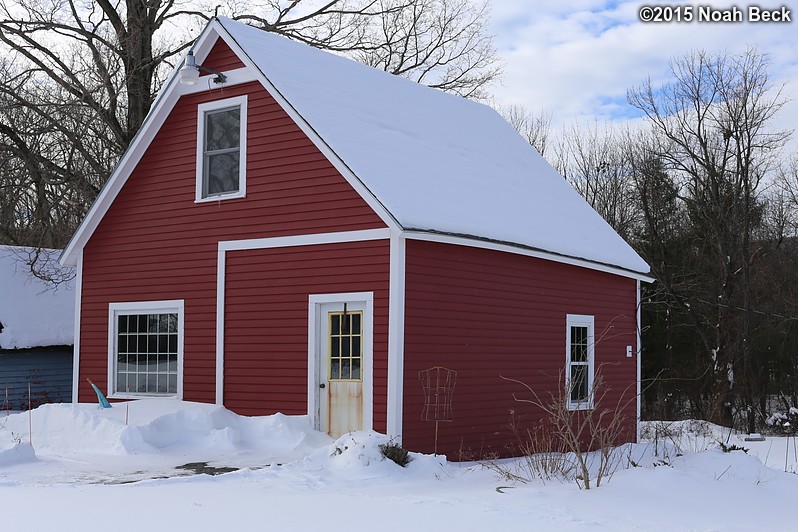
<point>296,232</point>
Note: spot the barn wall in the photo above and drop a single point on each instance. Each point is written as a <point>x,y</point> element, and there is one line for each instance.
<point>155,243</point>
<point>491,315</point>
<point>221,58</point>
<point>266,320</point>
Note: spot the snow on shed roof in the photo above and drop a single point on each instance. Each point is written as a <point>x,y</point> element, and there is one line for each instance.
<point>33,312</point>
<point>436,161</point>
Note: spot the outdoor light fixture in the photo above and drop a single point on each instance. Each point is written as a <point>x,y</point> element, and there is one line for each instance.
<point>189,73</point>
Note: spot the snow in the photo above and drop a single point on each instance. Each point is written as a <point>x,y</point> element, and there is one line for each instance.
<point>84,466</point>
<point>32,311</point>
<point>436,161</point>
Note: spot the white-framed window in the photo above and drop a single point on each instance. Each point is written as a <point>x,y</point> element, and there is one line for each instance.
<point>579,360</point>
<point>145,349</point>
<point>222,149</point>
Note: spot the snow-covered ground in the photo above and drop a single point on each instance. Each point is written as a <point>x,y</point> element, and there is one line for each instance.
<point>141,465</point>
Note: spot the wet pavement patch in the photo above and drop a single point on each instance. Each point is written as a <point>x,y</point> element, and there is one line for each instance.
<point>202,468</point>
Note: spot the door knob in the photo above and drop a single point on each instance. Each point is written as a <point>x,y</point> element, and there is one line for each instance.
<point>322,385</point>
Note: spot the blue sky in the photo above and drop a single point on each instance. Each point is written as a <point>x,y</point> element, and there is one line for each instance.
<point>576,59</point>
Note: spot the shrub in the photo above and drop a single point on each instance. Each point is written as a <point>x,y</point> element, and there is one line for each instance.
<point>394,452</point>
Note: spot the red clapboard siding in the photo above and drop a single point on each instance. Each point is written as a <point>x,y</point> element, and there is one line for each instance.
<point>266,320</point>
<point>489,315</point>
<point>155,243</point>
<point>222,58</point>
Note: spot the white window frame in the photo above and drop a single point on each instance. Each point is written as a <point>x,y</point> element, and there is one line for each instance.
<point>580,320</point>
<point>216,105</point>
<point>143,307</point>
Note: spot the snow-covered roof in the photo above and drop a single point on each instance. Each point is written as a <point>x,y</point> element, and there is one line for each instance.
<point>425,160</point>
<point>33,312</point>
<point>437,162</point>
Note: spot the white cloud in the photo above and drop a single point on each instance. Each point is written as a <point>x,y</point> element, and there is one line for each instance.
<point>577,59</point>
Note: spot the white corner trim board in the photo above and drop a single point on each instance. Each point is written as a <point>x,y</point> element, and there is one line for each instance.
<point>638,339</point>
<point>396,327</point>
<point>76,342</point>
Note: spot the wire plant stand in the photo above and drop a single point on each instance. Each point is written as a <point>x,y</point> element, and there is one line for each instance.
<point>438,384</point>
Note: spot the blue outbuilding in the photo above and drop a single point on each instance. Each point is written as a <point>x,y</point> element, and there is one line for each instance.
<point>36,330</point>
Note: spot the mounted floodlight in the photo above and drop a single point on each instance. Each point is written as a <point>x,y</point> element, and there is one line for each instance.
<point>190,71</point>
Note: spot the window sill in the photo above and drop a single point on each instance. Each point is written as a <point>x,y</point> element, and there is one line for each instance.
<point>580,406</point>
<point>142,396</point>
<point>221,197</point>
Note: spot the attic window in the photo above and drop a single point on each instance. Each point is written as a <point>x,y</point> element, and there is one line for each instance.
<point>221,149</point>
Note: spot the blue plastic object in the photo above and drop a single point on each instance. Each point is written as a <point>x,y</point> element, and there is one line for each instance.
<point>100,397</point>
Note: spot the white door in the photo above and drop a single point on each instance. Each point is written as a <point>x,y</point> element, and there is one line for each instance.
<point>343,366</point>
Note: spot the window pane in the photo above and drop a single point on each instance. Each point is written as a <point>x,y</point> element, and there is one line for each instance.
<point>122,324</point>
<point>578,383</point>
<point>163,343</point>
<point>356,368</point>
<point>335,324</point>
<point>335,369</point>
<point>221,172</point>
<point>356,323</point>
<point>579,344</point>
<point>162,383</point>
<point>345,369</point>
<point>356,346</point>
<point>222,129</point>
<point>121,381</point>
<point>152,383</point>
<point>345,352</point>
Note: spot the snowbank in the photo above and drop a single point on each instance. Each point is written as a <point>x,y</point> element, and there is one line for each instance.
<point>286,476</point>
<point>160,427</point>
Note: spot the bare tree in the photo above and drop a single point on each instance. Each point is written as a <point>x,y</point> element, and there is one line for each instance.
<point>594,159</point>
<point>716,143</point>
<point>439,43</point>
<point>534,127</point>
<point>78,79</point>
